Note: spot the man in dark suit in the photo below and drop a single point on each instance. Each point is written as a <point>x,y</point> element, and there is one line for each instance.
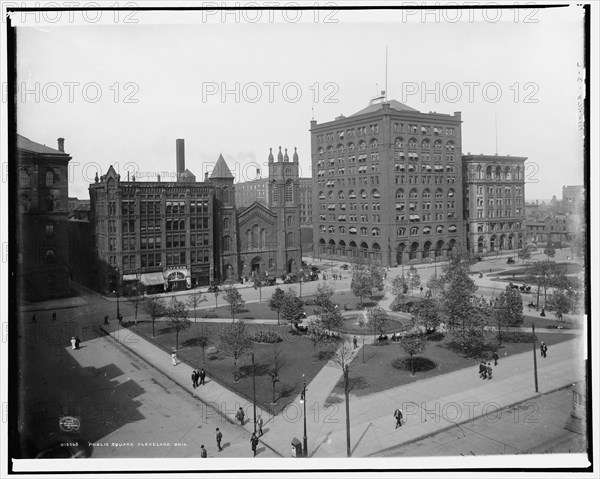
<point>202,375</point>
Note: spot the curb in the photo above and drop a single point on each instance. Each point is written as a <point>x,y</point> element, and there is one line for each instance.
<point>466,421</point>
<point>123,346</point>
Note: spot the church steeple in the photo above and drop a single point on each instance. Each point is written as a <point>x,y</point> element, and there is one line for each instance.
<point>280,155</point>
<point>295,157</point>
<point>286,157</point>
<point>271,159</point>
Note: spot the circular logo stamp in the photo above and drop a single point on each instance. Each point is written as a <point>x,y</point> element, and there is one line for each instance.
<point>69,423</point>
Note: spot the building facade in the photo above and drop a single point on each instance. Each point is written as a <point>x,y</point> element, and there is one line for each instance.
<point>42,220</point>
<point>494,202</point>
<point>306,201</point>
<point>248,192</point>
<point>573,198</point>
<point>387,184</point>
<point>178,235</point>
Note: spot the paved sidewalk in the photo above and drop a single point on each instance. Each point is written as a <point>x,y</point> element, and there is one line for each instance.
<point>430,405</point>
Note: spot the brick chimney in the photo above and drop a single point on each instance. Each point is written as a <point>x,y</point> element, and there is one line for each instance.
<point>180,152</point>
<point>61,145</point>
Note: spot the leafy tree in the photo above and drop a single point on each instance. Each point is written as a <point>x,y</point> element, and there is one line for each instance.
<point>323,297</point>
<point>330,318</point>
<point>277,363</point>
<point>399,287</point>
<point>316,333</point>
<point>550,252</point>
<point>471,338</point>
<point>509,308</point>
<point>412,345</point>
<point>525,253</point>
<point>427,314</point>
<point>292,308</point>
<point>378,320</point>
<point>194,301</point>
<point>178,318</point>
<point>414,280</point>
<point>459,289</point>
<point>155,308</point>
<point>435,285</point>
<point>134,293</point>
<point>563,301</point>
<point>276,301</point>
<point>362,284</point>
<point>377,275</point>
<point>235,341</point>
<point>540,274</point>
<point>235,300</point>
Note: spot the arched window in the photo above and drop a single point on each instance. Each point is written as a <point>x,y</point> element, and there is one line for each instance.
<point>440,229</point>
<point>50,230</point>
<point>414,194</point>
<point>275,194</point>
<point>412,143</point>
<point>331,195</point>
<point>362,145</point>
<point>290,221</point>
<point>50,258</point>
<point>49,178</point>
<point>363,231</point>
<point>401,232</point>
<point>414,231</point>
<point>437,145</point>
<point>352,195</point>
<point>226,224</point>
<point>50,203</point>
<point>321,195</point>
<point>375,232</point>
<point>374,143</point>
<point>363,194</point>
<point>400,194</point>
<point>290,239</point>
<point>225,195</point>
<point>426,193</point>
<point>227,243</point>
<point>375,194</point>
<point>340,148</point>
<point>451,193</point>
<point>289,191</point>
<point>399,142</point>
<point>350,146</point>
<point>425,144</point>
<point>341,195</point>
<point>23,177</point>
<point>24,203</point>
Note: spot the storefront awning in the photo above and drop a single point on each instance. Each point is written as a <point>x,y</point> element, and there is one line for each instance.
<point>130,277</point>
<point>151,279</point>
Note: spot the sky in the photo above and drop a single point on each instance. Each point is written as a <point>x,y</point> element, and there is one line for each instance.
<point>121,93</point>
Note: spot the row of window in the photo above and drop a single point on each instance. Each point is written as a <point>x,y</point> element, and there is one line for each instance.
<point>364,231</point>
<point>481,227</point>
<point>373,129</point>
<point>400,194</point>
<point>52,176</point>
<point>496,213</point>
<point>498,189</point>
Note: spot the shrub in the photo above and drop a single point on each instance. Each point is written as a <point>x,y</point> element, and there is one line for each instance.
<point>266,337</point>
<point>517,337</point>
<point>437,336</point>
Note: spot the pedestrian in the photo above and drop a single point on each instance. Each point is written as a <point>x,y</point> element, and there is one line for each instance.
<point>340,277</point>
<point>543,349</point>
<point>355,342</point>
<point>495,356</point>
<point>73,343</point>
<point>77,341</point>
<point>219,439</point>
<point>398,416</point>
<point>202,375</point>
<point>203,451</point>
<point>421,288</point>
<point>195,376</point>
<point>106,318</point>
<point>33,318</point>
<point>481,369</point>
<point>259,424</point>
<point>543,313</point>
<point>174,358</point>
<point>489,371</point>
<point>54,316</point>
<point>484,370</point>
<point>254,443</point>
<point>240,416</point>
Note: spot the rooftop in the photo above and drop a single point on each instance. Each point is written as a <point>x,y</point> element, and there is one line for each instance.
<point>394,105</point>
<point>28,145</point>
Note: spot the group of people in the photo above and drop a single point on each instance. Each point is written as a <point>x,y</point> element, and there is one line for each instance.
<point>198,378</point>
<point>240,416</point>
<point>75,342</point>
<point>34,319</point>
<point>485,370</point>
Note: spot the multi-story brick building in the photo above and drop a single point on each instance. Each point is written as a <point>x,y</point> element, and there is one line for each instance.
<point>306,201</point>
<point>176,235</point>
<point>573,198</point>
<point>42,220</point>
<point>494,202</point>
<point>387,184</point>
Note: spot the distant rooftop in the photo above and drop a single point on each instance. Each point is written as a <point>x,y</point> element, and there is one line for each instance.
<point>28,145</point>
<point>394,105</point>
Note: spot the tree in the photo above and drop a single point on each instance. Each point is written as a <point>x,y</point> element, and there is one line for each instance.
<point>155,308</point>
<point>378,320</point>
<point>413,344</point>
<point>203,342</point>
<point>435,285</point>
<point>399,287</point>
<point>413,278</point>
<point>331,318</point>
<point>276,301</point>
<point>509,308</point>
<point>540,274</point>
<point>362,284</point>
<point>316,333</point>
<point>525,253</point>
<point>178,318</point>
<point>292,308</point>
<point>235,300</point>
<point>194,301</point>
<point>426,314</point>
<point>134,293</point>
<point>550,252</point>
<point>235,341</point>
<point>563,301</point>
<point>458,290</point>
<point>342,359</point>
<point>323,296</point>
<point>277,364</point>
<point>377,275</point>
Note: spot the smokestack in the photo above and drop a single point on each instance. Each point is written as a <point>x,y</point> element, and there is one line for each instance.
<point>61,145</point>
<point>180,147</point>
<point>206,176</point>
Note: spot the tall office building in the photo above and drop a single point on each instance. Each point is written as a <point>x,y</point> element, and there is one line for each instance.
<point>387,184</point>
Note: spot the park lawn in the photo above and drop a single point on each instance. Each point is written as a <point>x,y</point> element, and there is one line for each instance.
<point>296,354</point>
<point>378,374</point>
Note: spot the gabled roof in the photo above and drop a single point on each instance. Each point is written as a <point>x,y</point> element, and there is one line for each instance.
<point>221,170</point>
<point>28,145</point>
<point>394,105</point>
<point>257,205</point>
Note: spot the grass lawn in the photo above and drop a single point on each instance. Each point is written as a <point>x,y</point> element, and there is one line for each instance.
<point>296,353</point>
<point>351,324</point>
<point>262,311</point>
<point>378,374</point>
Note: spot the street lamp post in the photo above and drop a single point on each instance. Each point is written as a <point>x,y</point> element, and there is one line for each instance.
<point>348,452</point>
<point>303,400</point>
<point>254,393</point>
<point>117,291</point>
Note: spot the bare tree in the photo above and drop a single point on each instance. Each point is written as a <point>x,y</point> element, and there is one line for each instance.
<point>235,341</point>
<point>413,344</point>
<point>194,301</point>
<point>235,300</point>
<point>134,293</point>
<point>342,359</point>
<point>178,318</point>
<point>155,308</point>
<point>277,364</point>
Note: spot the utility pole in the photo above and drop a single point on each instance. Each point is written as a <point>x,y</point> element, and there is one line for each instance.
<point>303,399</point>
<point>254,393</point>
<point>534,359</point>
<point>348,452</point>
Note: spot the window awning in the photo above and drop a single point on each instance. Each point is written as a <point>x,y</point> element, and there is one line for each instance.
<point>150,279</point>
<point>130,277</point>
